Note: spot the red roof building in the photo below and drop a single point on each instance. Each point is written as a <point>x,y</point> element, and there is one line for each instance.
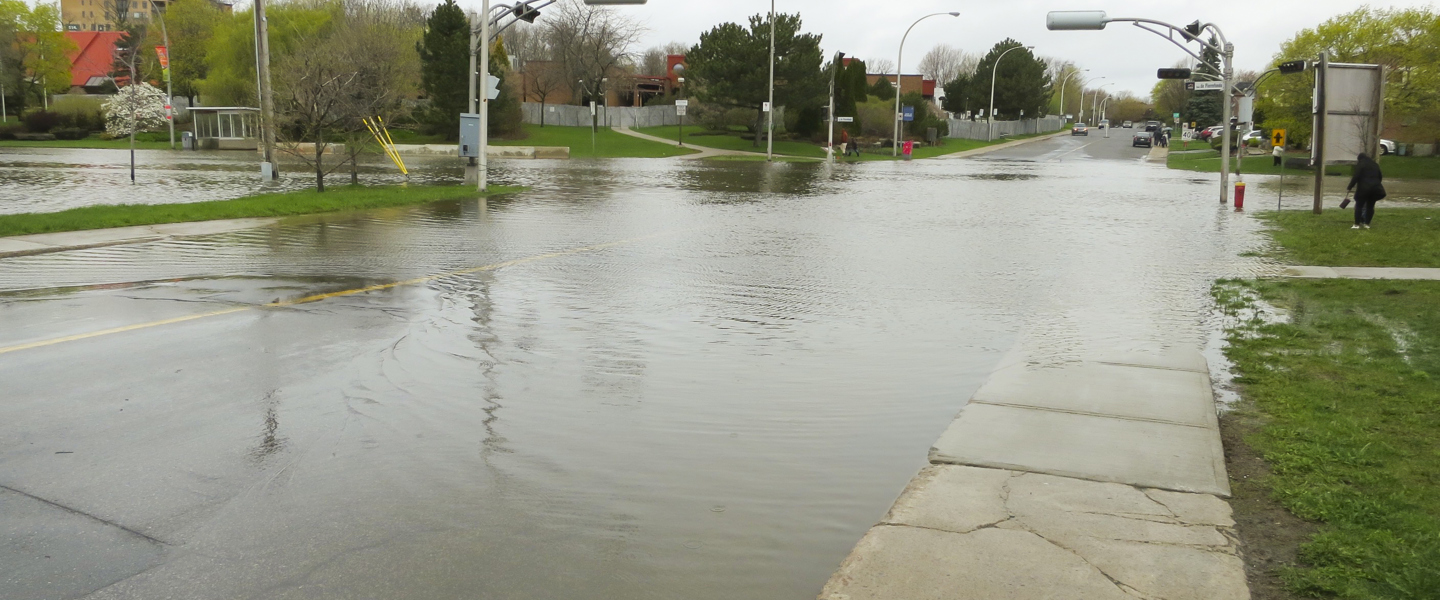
<point>90,65</point>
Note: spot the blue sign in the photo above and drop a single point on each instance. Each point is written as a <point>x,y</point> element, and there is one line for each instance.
<point>907,113</point>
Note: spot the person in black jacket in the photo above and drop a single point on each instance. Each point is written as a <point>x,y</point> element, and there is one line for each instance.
<point>1366,183</point>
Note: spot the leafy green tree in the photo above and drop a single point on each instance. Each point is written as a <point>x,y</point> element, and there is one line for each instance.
<point>444,60</point>
<point>723,66</point>
<point>230,53</point>
<point>1021,83</point>
<point>1406,41</point>
<point>925,117</point>
<point>882,89</point>
<point>191,24</point>
<point>34,57</point>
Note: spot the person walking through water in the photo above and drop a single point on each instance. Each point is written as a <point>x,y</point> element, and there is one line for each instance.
<point>1368,190</point>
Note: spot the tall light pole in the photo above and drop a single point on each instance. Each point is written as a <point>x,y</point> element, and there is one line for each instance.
<point>1095,20</point>
<point>169,94</point>
<point>770,114</point>
<point>830,131</point>
<point>895,146</point>
<point>267,96</point>
<point>990,116</point>
<point>1095,101</point>
<point>1084,83</point>
<point>1062,88</point>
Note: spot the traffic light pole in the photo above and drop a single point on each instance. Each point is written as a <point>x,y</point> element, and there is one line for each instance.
<point>483,175</point>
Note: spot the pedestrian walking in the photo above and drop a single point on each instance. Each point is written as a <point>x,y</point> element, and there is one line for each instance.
<point>1279,153</point>
<point>1368,189</point>
<point>853,147</point>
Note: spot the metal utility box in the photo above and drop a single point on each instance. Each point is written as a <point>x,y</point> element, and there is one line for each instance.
<point>470,135</point>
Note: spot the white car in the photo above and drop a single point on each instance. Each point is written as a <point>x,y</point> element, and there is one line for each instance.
<point>1255,134</point>
<point>1387,147</point>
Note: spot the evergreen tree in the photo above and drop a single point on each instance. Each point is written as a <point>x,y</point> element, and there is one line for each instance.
<point>505,113</point>
<point>963,94</point>
<point>1204,108</point>
<point>883,89</point>
<point>850,91</point>
<point>1021,83</point>
<point>444,62</point>
<point>722,66</point>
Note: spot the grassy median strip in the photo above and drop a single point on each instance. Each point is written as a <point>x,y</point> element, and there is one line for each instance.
<point>263,205</point>
<point>607,143</point>
<point>1399,237</point>
<point>695,136</point>
<point>1348,394</point>
<point>1208,161</point>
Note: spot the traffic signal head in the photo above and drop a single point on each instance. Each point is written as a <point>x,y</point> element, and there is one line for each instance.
<point>1291,67</point>
<point>525,13</point>
<point>1173,73</point>
<point>1192,31</point>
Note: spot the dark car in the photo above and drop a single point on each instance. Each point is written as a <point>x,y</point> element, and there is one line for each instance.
<point>1141,139</point>
<point>1152,126</point>
<point>1080,129</point>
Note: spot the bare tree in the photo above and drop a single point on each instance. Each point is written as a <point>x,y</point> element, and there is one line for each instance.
<point>652,62</point>
<point>589,42</point>
<point>880,65</point>
<point>945,63</point>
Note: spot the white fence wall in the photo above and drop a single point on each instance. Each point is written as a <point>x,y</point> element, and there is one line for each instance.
<point>977,130</point>
<point>566,115</point>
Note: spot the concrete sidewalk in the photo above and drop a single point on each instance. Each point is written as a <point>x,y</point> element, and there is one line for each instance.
<point>703,151</point>
<point>41,243</point>
<point>713,152</point>
<point>1304,272</point>
<point>1102,479</point>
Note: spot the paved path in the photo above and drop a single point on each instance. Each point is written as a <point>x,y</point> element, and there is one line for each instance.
<point>1307,272</point>
<point>1098,480</point>
<point>41,243</point>
<point>704,152</point>
<point>1158,154</point>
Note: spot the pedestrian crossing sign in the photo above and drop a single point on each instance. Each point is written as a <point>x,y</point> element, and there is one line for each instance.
<point>1277,137</point>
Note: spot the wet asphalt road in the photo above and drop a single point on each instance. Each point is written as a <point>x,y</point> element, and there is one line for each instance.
<point>667,379</point>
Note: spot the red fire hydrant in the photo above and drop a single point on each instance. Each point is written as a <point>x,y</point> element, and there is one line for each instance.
<point>1239,195</point>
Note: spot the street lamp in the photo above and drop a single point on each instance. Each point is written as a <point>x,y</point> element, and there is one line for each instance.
<point>1095,20</point>
<point>830,131</point>
<point>1095,101</point>
<point>1082,97</point>
<point>680,83</point>
<point>1062,88</point>
<point>990,116</point>
<point>895,146</point>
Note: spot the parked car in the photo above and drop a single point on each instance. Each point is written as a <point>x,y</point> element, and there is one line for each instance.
<point>1105,124</point>
<point>1387,147</point>
<point>1152,126</point>
<point>1128,125</point>
<point>1142,139</point>
<point>1206,133</point>
<point>1255,134</point>
<point>1080,129</point>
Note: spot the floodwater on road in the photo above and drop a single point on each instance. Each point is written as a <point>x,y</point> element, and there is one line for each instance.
<point>683,380</point>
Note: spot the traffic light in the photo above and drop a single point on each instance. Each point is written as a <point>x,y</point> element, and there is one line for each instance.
<point>1292,67</point>
<point>1173,73</point>
<point>525,13</point>
<point>1192,31</point>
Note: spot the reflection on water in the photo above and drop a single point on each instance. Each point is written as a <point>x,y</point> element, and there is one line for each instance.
<point>716,412</point>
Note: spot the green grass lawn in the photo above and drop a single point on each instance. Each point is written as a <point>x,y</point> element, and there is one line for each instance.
<point>607,143</point>
<point>1347,397</point>
<point>1394,167</point>
<point>281,204</point>
<point>733,141</point>
<point>1400,237</point>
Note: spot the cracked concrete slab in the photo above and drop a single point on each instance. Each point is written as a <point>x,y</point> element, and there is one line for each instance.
<point>49,551</point>
<point>1145,453</point>
<point>914,563</point>
<point>1163,395</point>
<point>938,541</point>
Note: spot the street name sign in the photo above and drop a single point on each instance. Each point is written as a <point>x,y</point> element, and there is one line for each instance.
<point>844,119</point>
<point>1203,86</point>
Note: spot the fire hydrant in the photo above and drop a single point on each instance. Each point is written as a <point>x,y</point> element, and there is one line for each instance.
<point>1239,196</point>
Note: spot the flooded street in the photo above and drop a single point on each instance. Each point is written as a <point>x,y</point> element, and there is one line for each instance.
<point>640,379</point>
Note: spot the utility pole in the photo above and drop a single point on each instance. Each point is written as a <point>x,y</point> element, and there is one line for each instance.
<point>1317,141</point>
<point>472,165</point>
<point>1228,80</point>
<point>267,96</point>
<point>483,175</point>
<point>165,67</point>
<point>770,115</point>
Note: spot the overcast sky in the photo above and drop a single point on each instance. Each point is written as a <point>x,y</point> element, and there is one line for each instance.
<point>1122,53</point>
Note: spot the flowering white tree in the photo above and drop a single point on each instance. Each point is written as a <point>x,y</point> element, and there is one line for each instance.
<point>134,108</point>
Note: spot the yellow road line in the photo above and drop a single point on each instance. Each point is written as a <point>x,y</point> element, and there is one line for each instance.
<point>319,297</point>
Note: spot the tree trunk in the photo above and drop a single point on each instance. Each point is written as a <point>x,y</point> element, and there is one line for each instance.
<point>319,167</point>
<point>759,121</point>
<point>354,169</point>
<point>542,112</point>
